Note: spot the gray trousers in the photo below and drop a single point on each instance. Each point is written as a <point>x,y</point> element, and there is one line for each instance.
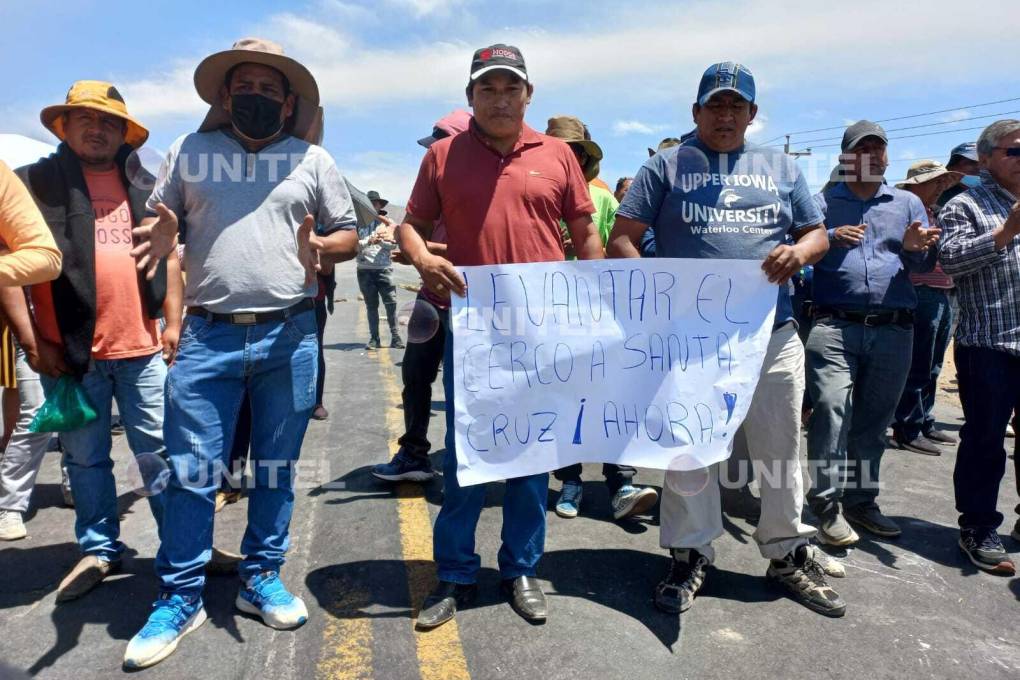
<point>772,434</point>
<point>856,375</point>
<point>20,461</point>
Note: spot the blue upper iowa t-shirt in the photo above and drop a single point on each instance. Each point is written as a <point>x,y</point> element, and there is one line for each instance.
<point>738,205</point>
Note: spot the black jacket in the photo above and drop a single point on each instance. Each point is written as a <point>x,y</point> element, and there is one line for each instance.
<point>58,187</point>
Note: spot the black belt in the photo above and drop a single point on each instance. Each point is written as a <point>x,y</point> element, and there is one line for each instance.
<point>252,318</point>
<point>902,317</point>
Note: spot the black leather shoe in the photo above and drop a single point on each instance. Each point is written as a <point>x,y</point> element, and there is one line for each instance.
<point>525,596</point>
<point>441,604</point>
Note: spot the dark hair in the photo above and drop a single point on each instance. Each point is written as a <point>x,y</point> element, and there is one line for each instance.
<point>230,76</point>
<point>619,182</point>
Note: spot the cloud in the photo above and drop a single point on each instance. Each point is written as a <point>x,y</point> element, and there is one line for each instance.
<point>755,131</point>
<point>425,7</point>
<point>636,127</point>
<point>391,174</point>
<point>355,72</point>
<point>956,116</point>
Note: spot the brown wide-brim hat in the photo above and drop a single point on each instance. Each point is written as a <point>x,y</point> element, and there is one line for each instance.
<point>98,96</point>
<point>572,131</point>
<point>211,74</point>
<point>928,171</point>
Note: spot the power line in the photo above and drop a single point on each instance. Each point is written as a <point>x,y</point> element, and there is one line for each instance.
<point>918,127</point>
<point>921,134</point>
<point>887,120</point>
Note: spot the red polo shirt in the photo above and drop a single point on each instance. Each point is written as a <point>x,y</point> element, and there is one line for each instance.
<point>500,209</point>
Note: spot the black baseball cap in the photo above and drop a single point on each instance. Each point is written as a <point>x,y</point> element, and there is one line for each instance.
<point>858,131</point>
<point>499,56</point>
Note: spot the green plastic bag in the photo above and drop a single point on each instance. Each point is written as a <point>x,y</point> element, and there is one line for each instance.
<point>66,408</point>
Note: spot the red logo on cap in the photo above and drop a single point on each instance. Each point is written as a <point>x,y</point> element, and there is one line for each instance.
<point>485,55</point>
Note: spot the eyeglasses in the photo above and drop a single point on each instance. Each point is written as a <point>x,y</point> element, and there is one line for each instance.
<point>1011,151</point>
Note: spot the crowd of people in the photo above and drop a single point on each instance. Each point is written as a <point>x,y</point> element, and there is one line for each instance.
<point>197,299</point>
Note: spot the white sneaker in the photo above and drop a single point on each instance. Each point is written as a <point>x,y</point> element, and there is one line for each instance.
<point>11,526</point>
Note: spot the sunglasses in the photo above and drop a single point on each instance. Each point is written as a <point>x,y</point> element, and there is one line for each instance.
<point>1011,151</point>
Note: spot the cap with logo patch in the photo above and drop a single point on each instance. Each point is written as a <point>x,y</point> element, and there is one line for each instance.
<point>495,57</point>
<point>727,76</point>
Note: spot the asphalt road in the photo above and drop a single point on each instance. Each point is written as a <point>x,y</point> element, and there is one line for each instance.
<point>361,552</point>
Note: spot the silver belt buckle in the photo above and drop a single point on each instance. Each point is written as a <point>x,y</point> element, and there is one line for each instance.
<point>243,319</point>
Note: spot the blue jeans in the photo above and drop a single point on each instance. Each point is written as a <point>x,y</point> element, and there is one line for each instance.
<point>932,325</point>
<point>855,377</point>
<point>989,393</point>
<point>524,506</point>
<point>218,363</point>
<point>137,385</point>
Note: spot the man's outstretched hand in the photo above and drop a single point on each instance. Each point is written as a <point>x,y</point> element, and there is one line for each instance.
<point>154,239</point>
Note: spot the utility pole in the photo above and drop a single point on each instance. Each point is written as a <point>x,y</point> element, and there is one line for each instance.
<point>795,154</point>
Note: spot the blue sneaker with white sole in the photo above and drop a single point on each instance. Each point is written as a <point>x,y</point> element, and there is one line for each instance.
<point>265,596</point>
<point>172,618</point>
<point>569,503</point>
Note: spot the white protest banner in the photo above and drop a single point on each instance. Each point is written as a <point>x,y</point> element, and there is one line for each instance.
<point>645,362</point>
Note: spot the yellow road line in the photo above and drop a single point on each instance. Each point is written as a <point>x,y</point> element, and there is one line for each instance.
<point>347,648</point>
<point>440,653</point>
<point>347,640</point>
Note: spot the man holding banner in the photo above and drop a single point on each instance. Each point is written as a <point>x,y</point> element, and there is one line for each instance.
<point>688,194</point>
<point>501,189</point>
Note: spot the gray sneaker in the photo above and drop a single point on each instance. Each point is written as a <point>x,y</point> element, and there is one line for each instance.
<point>803,578</point>
<point>868,516</point>
<point>631,500</point>
<point>834,530</point>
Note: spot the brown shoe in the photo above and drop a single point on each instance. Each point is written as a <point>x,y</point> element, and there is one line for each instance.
<point>222,562</point>
<point>225,498</point>
<point>84,576</point>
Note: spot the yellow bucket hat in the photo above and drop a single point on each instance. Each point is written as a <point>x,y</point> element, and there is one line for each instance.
<point>98,96</point>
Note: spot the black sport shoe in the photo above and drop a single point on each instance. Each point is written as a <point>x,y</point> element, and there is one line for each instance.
<point>374,343</point>
<point>984,548</point>
<point>802,576</point>
<point>676,593</point>
<point>870,517</point>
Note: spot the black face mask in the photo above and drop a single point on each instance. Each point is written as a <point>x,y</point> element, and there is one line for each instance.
<point>255,116</point>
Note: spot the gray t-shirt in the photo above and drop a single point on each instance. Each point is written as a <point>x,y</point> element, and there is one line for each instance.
<point>243,211</point>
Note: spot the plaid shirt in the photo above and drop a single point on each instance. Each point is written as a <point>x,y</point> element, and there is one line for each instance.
<point>987,280</point>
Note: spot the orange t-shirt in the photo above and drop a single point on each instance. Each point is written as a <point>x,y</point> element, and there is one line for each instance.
<point>123,329</point>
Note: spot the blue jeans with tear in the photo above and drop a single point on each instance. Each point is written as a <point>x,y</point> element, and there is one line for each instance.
<point>217,364</point>
<point>137,385</point>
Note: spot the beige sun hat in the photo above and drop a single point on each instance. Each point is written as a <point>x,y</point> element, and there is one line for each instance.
<point>212,72</point>
<point>926,171</point>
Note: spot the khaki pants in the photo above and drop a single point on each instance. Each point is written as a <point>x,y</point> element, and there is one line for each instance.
<point>772,433</point>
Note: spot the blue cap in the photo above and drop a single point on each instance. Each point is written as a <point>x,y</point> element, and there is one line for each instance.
<point>727,76</point>
<point>966,150</point>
